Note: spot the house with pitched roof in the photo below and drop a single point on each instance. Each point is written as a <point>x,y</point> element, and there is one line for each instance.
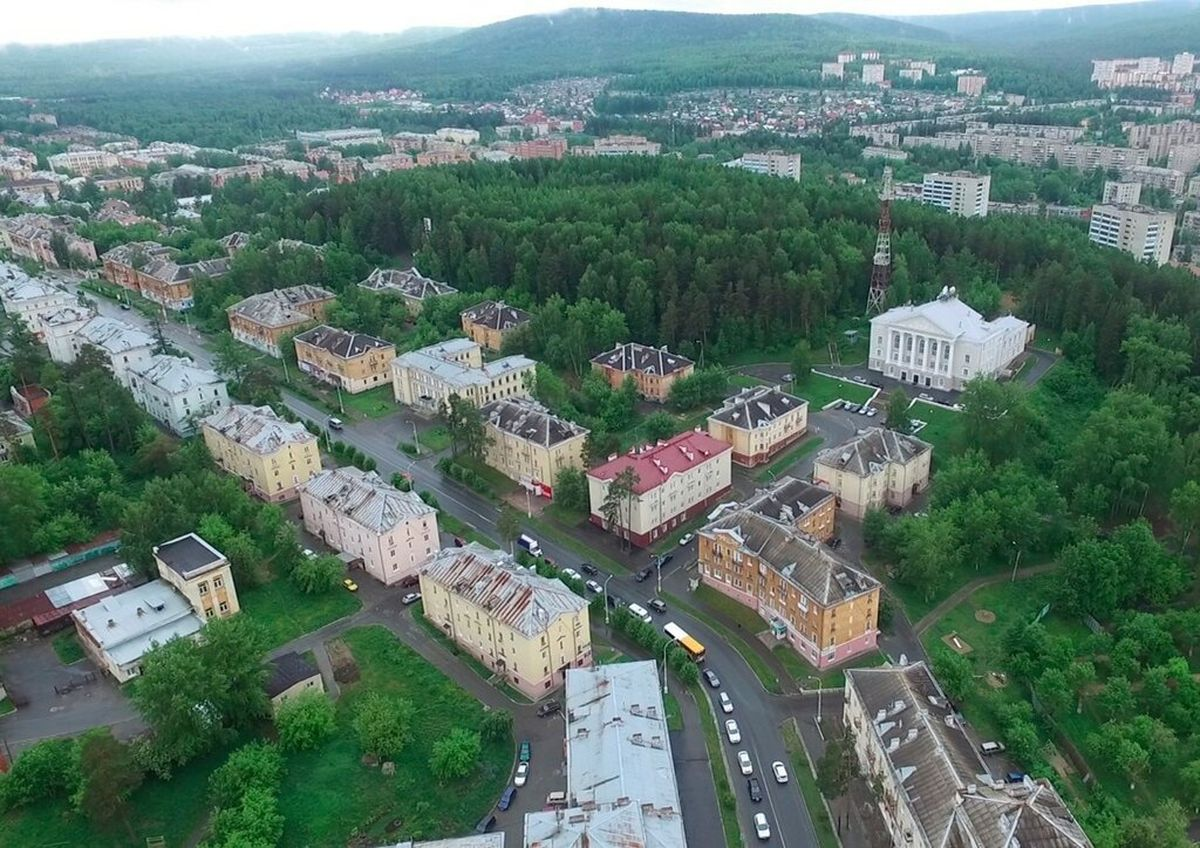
<point>530,444</point>
<point>413,287</point>
<point>176,391</point>
<point>654,370</point>
<point>150,269</point>
<point>758,422</point>
<point>934,788</point>
<point>263,320</point>
<point>426,378</point>
<point>800,504</point>
<point>272,457</point>
<point>357,513</point>
<point>489,323</point>
<point>124,346</point>
<point>356,362</point>
<point>876,469</point>
<point>527,628</point>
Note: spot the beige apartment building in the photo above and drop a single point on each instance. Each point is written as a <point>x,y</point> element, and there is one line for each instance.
<point>263,320</point>
<point>654,370</point>
<point>149,269</point>
<point>529,444</point>
<point>878,469</point>
<point>393,533</point>
<point>825,608</point>
<point>489,323</point>
<point>85,162</point>
<point>799,504</point>
<point>759,422</point>
<point>355,361</point>
<point>272,457</point>
<point>426,379</point>
<point>529,629</point>
<point>676,480</point>
<point>972,85</point>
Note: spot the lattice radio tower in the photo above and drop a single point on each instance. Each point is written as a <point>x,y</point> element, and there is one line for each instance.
<point>881,268</point>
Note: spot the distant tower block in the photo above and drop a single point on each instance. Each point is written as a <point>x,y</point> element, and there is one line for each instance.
<point>881,267</point>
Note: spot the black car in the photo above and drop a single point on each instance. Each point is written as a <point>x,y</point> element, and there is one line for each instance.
<point>711,677</point>
<point>664,559</point>
<point>588,568</point>
<point>835,542</point>
<point>616,601</point>
<point>486,823</point>
<point>754,788</point>
<point>548,708</point>
<point>507,798</point>
<point>643,574</point>
<point>656,605</point>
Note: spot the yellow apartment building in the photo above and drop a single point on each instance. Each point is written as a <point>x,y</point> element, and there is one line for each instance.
<point>877,469</point>
<point>529,444</point>
<point>489,323</point>
<point>355,361</point>
<point>759,422</point>
<point>273,457</point>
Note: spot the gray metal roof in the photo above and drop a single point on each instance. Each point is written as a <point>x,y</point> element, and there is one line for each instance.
<point>113,336</point>
<point>632,356</point>
<point>280,307</point>
<point>493,581</point>
<point>496,315</point>
<point>434,360</point>
<point>174,374</point>
<point>409,283</point>
<point>129,624</point>
<point>257,428</point>
<point>364,497</point>
<point>871,452</point>
<point>341,343</point>
<point>529,420</point>
<point>757,406</point>
<point>788,499</point>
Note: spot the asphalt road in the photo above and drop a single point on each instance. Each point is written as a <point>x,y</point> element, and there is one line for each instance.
<point>758,713</point>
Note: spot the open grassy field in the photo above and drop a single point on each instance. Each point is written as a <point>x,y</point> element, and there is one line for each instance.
<point>328,794</point>
<point>373,403</point>
<point>820,390</point>
<point>943,428</point>
<point>284,612</point>
<point>786,459</point>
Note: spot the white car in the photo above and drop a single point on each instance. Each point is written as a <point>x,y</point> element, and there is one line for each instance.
<point>594,587</point>
<point>761,828</point>
<point>685,538</point>
<point>638,611</point>
<point>726,704</point>
<point>731,730</point>
<point>570,572</point>
<point>744,763</point>
<point>522,774</point>
<point>781,775</point>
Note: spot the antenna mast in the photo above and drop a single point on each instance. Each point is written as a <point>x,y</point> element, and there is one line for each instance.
<point>881,268</point>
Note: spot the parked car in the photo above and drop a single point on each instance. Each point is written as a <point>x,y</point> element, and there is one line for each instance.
<point>410,581</point>
<point>588,568</point>
<point>924,396</point>
<point>686,538</point>
<point>754,788</point>
<point>507,798</point>
<point>990,748</point>
<point>526,752</point>
<point>350,584</point>
<point>486,823</point>
<point>732,731</point>
<point>644,573</point>
<point>335,423</point>
<point>847,404</point>
<point>639,612</point>
<point>572,573</point>
<point>761,829</point>
<point>656,605</point>
<point>547,708</point>
<point>1015,776</point>
<point>780,772</point>
<point>614,601</point>
<point>789,378</point>
<point>872,412</point>
<point>726,704</point>
<point>664,559</point>
<point>835,542</point>
<point>125,305</point>
<point>594,587</point>
<point>460,542</point>
<point>711,677</point>
<point>852,407</point>
<point>522,774</point>
<point>410,598</point>
<point>557,798</point>
<point>744,763</point>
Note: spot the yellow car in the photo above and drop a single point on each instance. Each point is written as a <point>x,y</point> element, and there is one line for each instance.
<point>350,584</point>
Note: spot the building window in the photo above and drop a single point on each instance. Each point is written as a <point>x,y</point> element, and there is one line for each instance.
<point>224,607</point>
<point>203,588</point>
<point>218,582</point>
<point>208,613</point>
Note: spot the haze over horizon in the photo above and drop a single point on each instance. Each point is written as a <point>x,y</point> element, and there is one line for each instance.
<point>76,21</point>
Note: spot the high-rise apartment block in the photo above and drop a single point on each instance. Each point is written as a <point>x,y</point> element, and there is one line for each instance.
<point>873,74</point>
<point>1144,232</point>
<point>1116,191</point>
<point>972,85</point>
<point>959,193</point>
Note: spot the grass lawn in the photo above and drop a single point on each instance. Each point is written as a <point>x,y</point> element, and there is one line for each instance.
<point>285,613</point>
<point>943,427</point>
<point>67,648</point>
<point>820,390</point>
<point>786,459</point>
<point>762,670</point>
<point>826,838</point>
<point>674,714</point>
<point>500,484</point>
<point>564,516</point>
<point>458,527</point>
<point>742,381</point>
<point>435,439</point>
<point>327,793</point>
<point>726,801</point>
<point>373,403</point>
<point>7,706</point>
<point>748,619</point>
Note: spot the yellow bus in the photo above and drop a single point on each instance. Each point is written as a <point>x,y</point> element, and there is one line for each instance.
<point>694,649</point>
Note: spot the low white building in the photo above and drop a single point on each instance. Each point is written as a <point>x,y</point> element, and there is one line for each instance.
<point>944,344</point>
<point>124,346</point>
<point>27,299</point>
<point>394,533</point>
<point>176,392</point>
<point>58,328</point>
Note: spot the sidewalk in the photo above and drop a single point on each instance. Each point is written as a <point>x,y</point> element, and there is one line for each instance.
<point>964,592</point>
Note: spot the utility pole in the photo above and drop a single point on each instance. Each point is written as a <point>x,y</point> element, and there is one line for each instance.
<point>416,438</point>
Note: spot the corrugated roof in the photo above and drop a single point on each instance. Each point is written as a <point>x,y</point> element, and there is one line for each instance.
<point>496,315</point>
<point>872,451</point>
<point>280,307</point>
<point>493,581</point>
<point>365,498</point>
<point>174,374</point>
<point>113,336</point>
<point>529,420</point>
<point>410,283</point>
<point>341,343</point>
<point>257,428</point>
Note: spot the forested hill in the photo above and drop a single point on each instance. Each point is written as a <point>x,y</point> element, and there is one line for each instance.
<point>660,48</point>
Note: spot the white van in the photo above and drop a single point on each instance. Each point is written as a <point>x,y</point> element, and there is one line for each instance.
<point>638,611</point>
<point>530,544</point>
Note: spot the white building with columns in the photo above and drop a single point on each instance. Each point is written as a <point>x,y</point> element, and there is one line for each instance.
<point>944,344</point>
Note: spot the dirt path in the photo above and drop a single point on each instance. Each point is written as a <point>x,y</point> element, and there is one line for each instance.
<point>963,592</point>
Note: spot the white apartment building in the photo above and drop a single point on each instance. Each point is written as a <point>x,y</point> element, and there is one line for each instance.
<point>1183,157</point>
<point>625,145</point>
<point>944,344</point>
<point>832,70</point>
<point>84,163</point>
<point>458,135</point>
<point>1139,230</point>
<point>873,74</point>
<point>773,163</point>
<point>1034,151</point>
<point>1183,63</point>
<point>27,299</point>
<point>124,346</point>
<point>339,138</point>
<point>959,193</point>
<point>394,533</point>
<point>1159,139</point>
<point>176,392</point>
<point>58,327</point>
<point>426,378</point>
<point>1116,191</point>
<point>972,85</point>
<point>1169,179</point>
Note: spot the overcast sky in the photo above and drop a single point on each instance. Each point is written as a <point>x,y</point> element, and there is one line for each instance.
<point>60,21</point>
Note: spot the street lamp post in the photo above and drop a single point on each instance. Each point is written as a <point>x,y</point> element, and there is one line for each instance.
<point>658,571</point>
<point>416,439</point>
<point>607,606</point>
<point>1016,562</point>
<point>818,681</point>
<point>666,647</point>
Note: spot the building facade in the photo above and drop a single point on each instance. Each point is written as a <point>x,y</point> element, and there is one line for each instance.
<point>826,609</point>
<point>149,269</point>
<point>394,533</point>
<point>653,370</point>
<point>944,344</point>
<point>28,300</point>
<point>759,422</point>
<point>625,145</point>
<point>489,323</point>
<point>531,445</point>
<point>1117,191</point>
<point>84,163</point>
<point>527,628</point>
<point>263,320</point>
<point>873,73</point>
<point>959,193</point>
<point>972,85</point>
<point>773,163</point>
<point>676,480</point>
<point>176,392</point>
<point>1144,232</point>
<point>272,457</point>
<point>354,361</point>
<point>425,379</point>
<point>33,236</point>
<point>877,469</point>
